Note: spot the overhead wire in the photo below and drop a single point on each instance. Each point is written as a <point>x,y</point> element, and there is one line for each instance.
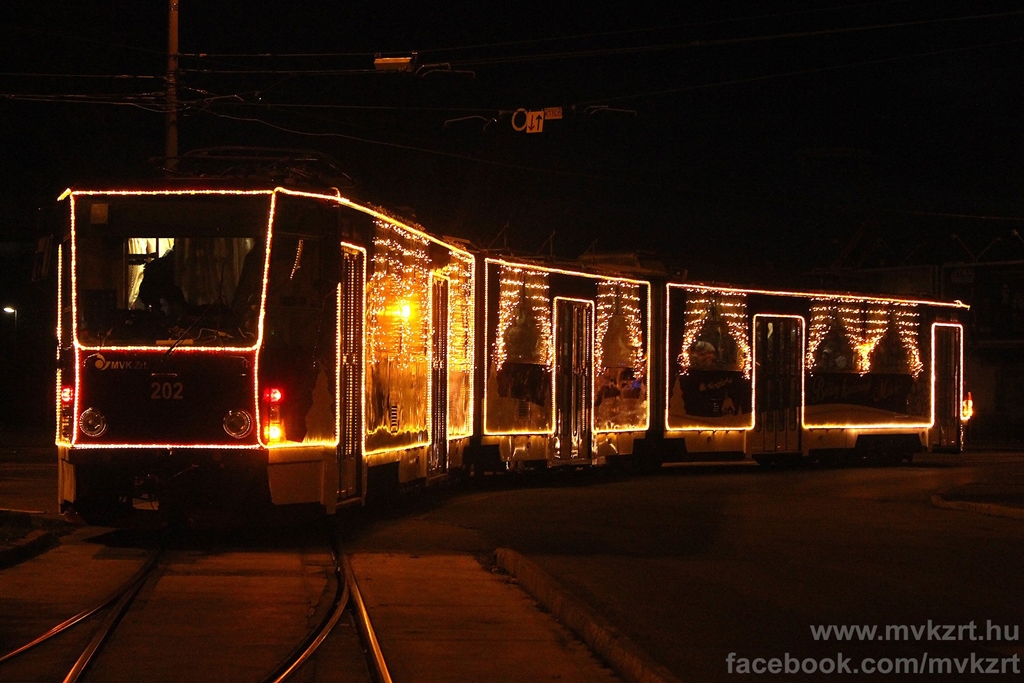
<point>798,72</point>
<point>83,39</point>
<point>13,74</point>
<point>510,43</point>
<point>638,49</point>
<point>755,197</point>
<point>610,51</point>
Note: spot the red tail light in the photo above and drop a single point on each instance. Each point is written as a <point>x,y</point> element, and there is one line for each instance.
<point>67,395</point>
<point>273,430</point>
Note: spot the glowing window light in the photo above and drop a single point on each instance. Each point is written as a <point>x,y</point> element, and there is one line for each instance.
<point>906,310</point>
<point>498,263</point>
<point>864,325</point>
<point>904,426</point>
<point>398,346</point>
<point>730,309</point>
<point>619,302</point>
<point>524,306</point>
<point>396,290</point>
<point>460,273</point>
<point>908,325</point>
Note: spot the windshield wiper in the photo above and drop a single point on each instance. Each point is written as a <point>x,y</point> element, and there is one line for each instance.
<point>189,328</point>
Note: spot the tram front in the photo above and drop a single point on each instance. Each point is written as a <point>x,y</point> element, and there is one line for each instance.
<point>159,324</point>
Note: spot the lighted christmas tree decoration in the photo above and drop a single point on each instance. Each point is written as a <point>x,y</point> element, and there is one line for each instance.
<point>524,317</point>
<point>706,307</point>
<point>619,330</point>
<point>862,325</point>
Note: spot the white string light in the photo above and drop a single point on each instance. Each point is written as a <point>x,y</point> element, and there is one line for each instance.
<point>729,308</point>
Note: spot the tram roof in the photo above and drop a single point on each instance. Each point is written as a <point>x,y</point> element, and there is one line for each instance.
<point>816,294</point>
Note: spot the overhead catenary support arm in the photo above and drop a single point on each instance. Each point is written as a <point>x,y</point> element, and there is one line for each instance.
<point>171,126</point>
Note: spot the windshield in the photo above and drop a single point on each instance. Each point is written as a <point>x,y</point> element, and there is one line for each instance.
<point>166,269</point>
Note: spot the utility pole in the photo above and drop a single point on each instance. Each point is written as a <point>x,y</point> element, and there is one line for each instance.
<point>171,126</point>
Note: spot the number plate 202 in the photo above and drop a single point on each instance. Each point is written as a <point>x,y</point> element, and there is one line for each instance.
<point>167,391</point>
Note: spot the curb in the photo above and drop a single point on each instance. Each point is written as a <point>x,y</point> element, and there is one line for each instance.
<point>991,509</point>
<point>626,658</point>
<point>24,548</point>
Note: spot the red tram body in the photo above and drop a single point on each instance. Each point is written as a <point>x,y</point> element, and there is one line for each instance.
<point>232,347</point>
<point>237,347</point>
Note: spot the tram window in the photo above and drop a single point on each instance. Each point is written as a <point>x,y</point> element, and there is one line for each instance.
<point>300,328</point>
<point>835,352</point>
<point>715,349</point>
<point>142,251</point>
<point>891,355</point>
<point>147,289</point>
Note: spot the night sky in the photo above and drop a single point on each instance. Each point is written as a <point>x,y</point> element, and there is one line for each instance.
<point>742,143</point>
<point>730,136</point>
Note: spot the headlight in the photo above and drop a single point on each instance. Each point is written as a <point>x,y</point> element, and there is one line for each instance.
<point>237,423</point>
<point>92,423</point>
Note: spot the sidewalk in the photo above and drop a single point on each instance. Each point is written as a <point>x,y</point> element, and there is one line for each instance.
<point>995,499</point>
<point>19,445</point>
<point>443,617</point>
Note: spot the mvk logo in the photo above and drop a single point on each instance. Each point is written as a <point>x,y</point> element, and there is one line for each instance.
<point>101,363</point>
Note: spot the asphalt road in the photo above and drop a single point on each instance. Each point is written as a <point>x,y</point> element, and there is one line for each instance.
<point>695,563</point>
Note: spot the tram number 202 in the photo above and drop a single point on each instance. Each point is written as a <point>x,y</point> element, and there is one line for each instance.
<point>166,390</point>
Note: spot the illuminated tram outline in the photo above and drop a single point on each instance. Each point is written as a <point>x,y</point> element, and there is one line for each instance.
<point>485,361</point>
<point>464,256</point>
<point>855,426</point>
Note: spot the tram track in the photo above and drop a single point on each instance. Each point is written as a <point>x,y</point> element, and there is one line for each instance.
<point>112,610</point>
<point>130,588</point>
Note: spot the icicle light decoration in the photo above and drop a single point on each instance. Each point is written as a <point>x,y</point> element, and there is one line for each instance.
<point>524,297</point>
<point>731,309</point>
<point>864,325</point>
<point>908,324</point>
<point>397,296</point>
<point>460,312</point>
<point>620,300</point>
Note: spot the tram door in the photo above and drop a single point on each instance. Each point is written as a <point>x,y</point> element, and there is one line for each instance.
<point>353,276</point>
<point>948,346</point>
<point>574,331</point>
<point>437,459</point>
<point>778,373</point>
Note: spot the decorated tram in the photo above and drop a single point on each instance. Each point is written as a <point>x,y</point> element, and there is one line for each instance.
<point>231,348</point>
<point>777,376</point>
<point>567,364</point>
<point>246,348</point>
